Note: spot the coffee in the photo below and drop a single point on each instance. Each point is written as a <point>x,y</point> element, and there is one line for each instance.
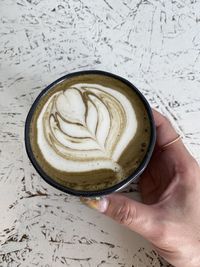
<point>89,132</point>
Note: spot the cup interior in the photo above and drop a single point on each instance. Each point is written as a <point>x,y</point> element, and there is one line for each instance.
<point>108,190</point>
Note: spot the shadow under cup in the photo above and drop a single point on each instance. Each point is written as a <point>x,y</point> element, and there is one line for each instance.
<point>49,177</point>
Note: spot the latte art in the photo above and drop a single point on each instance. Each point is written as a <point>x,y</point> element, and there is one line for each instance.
<point>89,133</point>
<point>86,127</point>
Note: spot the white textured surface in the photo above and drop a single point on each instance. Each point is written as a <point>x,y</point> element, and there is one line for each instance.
<point>154,44</point>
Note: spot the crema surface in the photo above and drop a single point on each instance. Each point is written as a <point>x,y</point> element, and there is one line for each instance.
<point>90,132</point>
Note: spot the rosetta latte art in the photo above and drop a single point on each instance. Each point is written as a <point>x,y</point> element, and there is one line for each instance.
<point>85,127</point>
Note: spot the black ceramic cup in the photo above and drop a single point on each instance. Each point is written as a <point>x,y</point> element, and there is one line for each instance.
<point>133,177</point>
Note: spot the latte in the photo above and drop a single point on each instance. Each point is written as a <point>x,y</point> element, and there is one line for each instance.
<point>89,132</point>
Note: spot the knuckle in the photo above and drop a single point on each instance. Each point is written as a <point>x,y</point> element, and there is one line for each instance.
<point>193,165</point>
<point>125,214</point>
<point>189,171</point>
<point>192,168</point>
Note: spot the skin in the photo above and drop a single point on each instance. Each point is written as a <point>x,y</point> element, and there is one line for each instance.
<point>169,216</point>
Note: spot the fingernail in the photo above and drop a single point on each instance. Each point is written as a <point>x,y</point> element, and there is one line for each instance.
<point>99,204</point>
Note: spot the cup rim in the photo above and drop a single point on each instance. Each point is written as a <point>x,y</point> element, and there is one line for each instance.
<point>95,193</point>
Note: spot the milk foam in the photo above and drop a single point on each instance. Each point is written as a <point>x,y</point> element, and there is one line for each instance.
<point>85,128</point>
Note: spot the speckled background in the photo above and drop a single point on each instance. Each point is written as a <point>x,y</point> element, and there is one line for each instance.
<point>155,44</point>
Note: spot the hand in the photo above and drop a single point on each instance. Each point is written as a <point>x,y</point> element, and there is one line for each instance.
<point>169,216</point>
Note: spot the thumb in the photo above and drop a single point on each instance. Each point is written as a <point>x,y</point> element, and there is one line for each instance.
<point>136,216</point>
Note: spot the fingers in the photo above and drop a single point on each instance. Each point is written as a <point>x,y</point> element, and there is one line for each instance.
<point>177,152</point>
<point>132,214</point>
<point>164,130</point>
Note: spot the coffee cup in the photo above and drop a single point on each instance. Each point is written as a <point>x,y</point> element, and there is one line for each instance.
<point>90,133</point>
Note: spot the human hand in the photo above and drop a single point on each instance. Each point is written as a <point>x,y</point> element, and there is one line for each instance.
<point>169,216</point>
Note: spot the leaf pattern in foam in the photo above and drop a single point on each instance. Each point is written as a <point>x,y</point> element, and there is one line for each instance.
<point>103,121</point>
<point>70,105</point>
<point>88,123</point>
